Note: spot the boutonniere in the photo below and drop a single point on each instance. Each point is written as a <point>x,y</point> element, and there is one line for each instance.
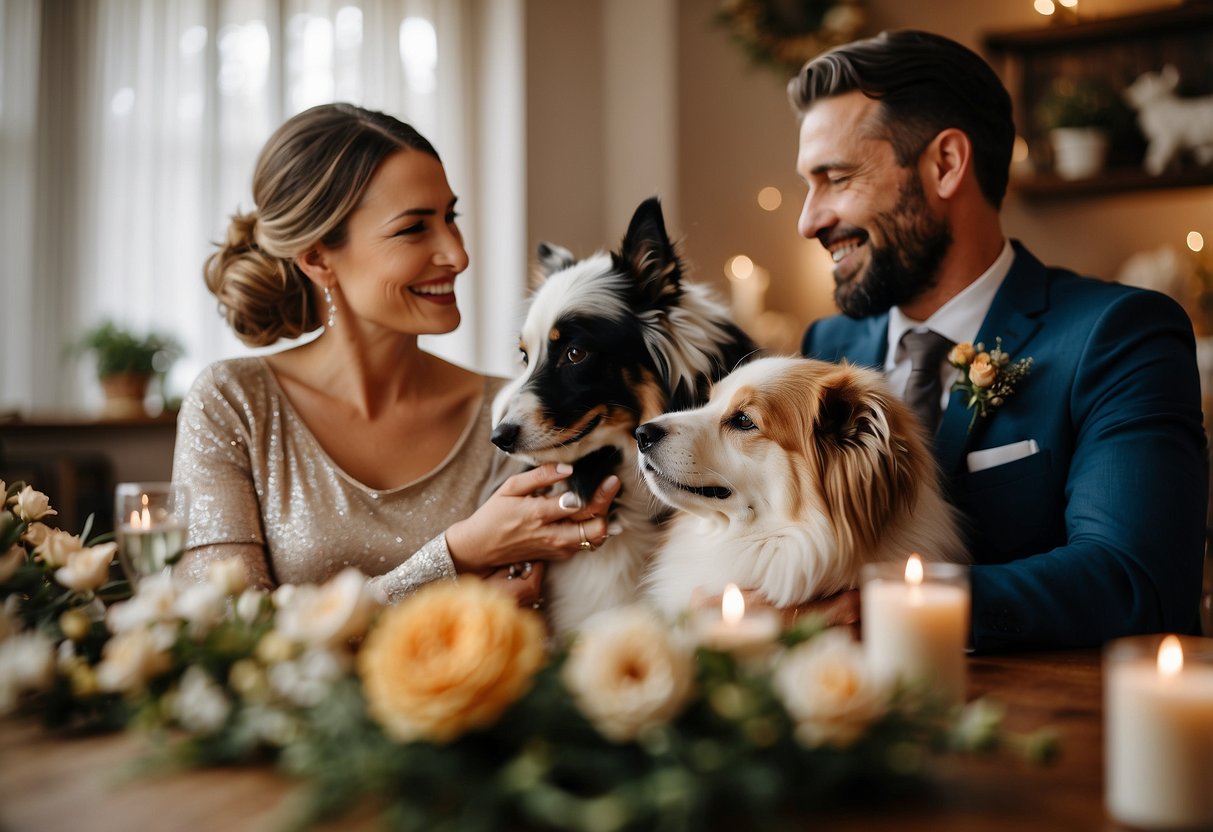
<point>986,378</point>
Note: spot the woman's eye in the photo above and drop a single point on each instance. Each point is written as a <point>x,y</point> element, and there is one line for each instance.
<point>742,421</point>
<point>451,217</point>
<point>575,355</point>
<point>415,228</point>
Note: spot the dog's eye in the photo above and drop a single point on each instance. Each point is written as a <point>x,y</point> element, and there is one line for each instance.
<point>524,358</point>
<point>575,355</point>
<point>742,421</point>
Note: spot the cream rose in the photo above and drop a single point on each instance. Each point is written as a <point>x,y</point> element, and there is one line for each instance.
<point>449,659</point>
<point>27,663</point>
<point>31,505</point>
<point>332,613</point>
<point>626,673</point>
<point>130,660</point>
<point>58,545</point>
<point>229,576</point>
<point>87,569</point>
<point>982,372</point>
<point>961,354</point>
<point>828,690</point>
<point>36,533</point>
<point>200,705</point>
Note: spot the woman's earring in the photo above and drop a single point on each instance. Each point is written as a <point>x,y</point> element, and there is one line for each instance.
<point>328,298</point>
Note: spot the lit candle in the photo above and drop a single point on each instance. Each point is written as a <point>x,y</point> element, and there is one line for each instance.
<point>734,631</point>
<point>1158,725</point>
<point>151,529</point>
<point>915,624</point>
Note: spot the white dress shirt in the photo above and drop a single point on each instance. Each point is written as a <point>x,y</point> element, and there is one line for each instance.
<point>958,320</point>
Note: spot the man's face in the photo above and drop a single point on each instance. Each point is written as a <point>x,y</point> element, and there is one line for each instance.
<point>870,213</point>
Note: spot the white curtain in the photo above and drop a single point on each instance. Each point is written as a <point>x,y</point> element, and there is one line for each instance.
<point>148,118</point>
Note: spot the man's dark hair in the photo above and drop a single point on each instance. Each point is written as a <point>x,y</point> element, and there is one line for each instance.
<point>926,83</point>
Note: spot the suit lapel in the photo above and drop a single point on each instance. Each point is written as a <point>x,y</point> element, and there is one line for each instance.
<point>1013,317</point>
<point>869,349</point>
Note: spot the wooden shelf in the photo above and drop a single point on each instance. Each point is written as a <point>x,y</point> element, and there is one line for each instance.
<point>1109,182</point>
<point>1145,24</point>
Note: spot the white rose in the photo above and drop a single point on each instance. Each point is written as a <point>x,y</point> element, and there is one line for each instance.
<point>248,605</point>
<point>627,674</point>
<point>11,561</point>
<point>202,605</point>
<point>307,680</point>
<point>87,569</point>
<point>200,705</point>
<point>154,600</point>
<point>27,663</point>
<point>31,505</point>
<point>329,614</point>
<point>57,546</point>
<point>131,659</point>
<point>229,576</point>
<point>828,690</point>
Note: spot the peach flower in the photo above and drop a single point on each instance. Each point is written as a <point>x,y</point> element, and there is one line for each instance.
<point>961,354</point>
<point>87,569</point>
<point>31,505</point>
<point>449,659</point>
<point>982,371</point>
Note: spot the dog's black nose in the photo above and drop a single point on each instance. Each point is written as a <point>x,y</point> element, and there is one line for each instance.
<point>648,435</point>
<point>505,436</point>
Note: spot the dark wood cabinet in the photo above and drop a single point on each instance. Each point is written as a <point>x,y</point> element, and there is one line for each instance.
<point>1116,51</point>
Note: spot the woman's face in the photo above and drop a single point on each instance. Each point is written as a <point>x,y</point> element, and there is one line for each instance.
<point>403,250</point>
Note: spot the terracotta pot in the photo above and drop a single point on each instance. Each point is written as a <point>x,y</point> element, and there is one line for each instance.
<point>124,394</point>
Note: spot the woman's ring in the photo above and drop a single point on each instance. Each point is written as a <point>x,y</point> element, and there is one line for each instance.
<point>585,544</point>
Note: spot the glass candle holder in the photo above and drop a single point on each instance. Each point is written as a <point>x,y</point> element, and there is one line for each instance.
<point>1158,731</point>
<point>915,624</point>
<point>151,520</point>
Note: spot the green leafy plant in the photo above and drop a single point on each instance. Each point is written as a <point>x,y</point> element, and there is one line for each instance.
<point>1081,102</point>
<point>119,350</point>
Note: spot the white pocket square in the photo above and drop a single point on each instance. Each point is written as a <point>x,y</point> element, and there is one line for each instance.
<point>990,457</point>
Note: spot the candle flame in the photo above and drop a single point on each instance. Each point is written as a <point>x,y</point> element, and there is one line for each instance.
<point>732,605</point>
<point>914,570</point>
<point>1170,657</point>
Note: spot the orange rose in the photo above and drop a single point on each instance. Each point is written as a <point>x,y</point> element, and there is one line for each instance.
<point>981,372</point>
<point>961,354</point>
<point>449,659</point>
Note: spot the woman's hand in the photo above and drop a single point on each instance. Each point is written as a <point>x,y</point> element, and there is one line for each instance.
<point>522,580</point>
<point>516,524</point>
<point>836,610</point>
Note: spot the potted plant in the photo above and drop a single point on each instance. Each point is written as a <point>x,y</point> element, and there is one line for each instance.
<point>1079,115</point>
<point>126,364</point>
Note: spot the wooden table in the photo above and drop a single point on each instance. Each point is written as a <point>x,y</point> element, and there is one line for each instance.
<point>50,783</point>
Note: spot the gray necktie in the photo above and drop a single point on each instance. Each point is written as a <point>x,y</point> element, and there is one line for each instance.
<point>923,389</point>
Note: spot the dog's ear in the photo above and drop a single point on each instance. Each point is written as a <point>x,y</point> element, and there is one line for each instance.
<point>868,455</point>
<point>648,254</point>
<point>553,258</point>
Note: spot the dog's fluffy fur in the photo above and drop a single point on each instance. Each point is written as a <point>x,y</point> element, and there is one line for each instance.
<point>609,342</point>
<point>793,475</point>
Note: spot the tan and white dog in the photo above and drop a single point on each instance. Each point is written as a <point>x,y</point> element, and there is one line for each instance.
<point>793,475</point>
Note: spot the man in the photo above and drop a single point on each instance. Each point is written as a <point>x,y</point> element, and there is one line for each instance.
<point>1085,490</point>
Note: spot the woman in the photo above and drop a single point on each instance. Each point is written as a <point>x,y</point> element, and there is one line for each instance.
<point>357,448</point>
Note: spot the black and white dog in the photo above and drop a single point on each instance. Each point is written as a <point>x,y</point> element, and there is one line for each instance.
<point>610,342</point>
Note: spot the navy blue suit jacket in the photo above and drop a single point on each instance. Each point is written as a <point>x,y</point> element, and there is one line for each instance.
<point>1101,533</point>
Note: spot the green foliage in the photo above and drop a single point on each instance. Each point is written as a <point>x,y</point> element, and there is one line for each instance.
<point>118,350</point>
<point>1081,102</point>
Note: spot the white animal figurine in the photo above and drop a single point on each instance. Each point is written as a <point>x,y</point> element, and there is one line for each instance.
<point>1170,123</point>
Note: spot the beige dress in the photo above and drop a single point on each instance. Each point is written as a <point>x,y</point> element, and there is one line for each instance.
<point>258,476</point>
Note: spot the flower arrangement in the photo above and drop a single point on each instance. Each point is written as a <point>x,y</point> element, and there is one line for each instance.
<point>785,35</point>
<point>986,378</point>
<point>447,709</point>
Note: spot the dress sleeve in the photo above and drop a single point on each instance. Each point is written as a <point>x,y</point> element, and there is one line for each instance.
<point>432,562</point>
<point>213,460</point>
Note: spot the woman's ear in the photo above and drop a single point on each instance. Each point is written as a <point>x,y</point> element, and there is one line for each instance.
<point>315,265</point>
<point>947,160</point>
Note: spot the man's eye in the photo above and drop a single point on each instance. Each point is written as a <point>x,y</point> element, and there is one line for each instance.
<point>575,355</point>
<point>742,421</point>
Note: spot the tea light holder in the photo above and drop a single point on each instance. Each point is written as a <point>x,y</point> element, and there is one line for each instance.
<point>1158,731</point>
<point>151,521</point>
<point>732,629</point>
<point>915,624</point>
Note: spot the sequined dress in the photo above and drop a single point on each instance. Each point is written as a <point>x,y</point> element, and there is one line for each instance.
<point>258,476</point>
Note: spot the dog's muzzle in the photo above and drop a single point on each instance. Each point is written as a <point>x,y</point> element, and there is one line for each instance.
<point>648,435</point>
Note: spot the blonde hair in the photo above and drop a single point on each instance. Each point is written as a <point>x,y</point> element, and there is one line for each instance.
<point>310,176</point>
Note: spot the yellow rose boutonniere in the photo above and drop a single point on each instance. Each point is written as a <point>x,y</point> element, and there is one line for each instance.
<point>986,378</point>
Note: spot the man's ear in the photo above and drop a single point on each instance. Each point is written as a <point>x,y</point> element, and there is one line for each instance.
<point>315,265</point>
<point>946,161</point>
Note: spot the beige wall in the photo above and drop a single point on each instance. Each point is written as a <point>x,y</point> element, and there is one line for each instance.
<point>735,134</point>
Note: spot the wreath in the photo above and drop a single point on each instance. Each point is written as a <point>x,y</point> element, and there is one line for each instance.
<point>786,33</point>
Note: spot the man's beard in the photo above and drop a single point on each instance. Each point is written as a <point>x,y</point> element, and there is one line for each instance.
<point>906,264</point>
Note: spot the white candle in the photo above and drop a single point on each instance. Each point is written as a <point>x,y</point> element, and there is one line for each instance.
<point>734,631</point>
<point>1158,725</point>
<point>915,626</point>
<point>151,528</point>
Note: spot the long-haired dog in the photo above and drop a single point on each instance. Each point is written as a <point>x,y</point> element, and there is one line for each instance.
<point>609,342</point>
<point>793,475</point>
